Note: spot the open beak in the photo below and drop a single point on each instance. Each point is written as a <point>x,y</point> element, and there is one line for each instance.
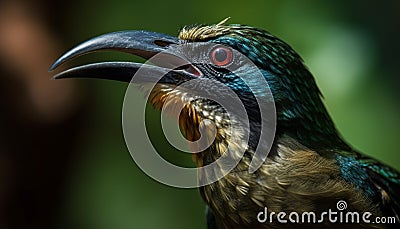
<point>159,48</point>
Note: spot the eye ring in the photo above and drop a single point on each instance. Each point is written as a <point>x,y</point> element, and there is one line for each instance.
<point>221,56</point>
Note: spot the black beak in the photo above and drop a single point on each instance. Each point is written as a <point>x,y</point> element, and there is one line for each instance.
<point>170,64</point>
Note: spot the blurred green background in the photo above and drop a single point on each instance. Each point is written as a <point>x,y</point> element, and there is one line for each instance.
<point>89,180</point>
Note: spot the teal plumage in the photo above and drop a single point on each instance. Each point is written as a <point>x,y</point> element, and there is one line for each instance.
<point>302,115</point>
<point>309,168</point>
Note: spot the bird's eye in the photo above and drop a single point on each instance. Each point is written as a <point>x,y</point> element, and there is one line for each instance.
<point>221,56</point>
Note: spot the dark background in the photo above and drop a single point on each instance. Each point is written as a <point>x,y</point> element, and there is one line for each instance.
<point>63,161</point>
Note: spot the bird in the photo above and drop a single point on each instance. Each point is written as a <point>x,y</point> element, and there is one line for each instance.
<point>309,167</point>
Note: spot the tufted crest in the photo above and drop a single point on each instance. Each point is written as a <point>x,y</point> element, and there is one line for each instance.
<point>204,32</point>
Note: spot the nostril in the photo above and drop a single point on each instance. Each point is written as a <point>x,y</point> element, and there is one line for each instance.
<point>162,43</point>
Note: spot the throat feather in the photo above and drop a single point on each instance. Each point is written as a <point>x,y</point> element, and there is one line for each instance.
<point>202,122</point>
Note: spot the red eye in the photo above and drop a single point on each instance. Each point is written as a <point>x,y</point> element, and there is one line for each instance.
<point>221,56</point>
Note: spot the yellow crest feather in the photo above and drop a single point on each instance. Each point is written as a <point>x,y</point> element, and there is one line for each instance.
<point>203,32</point>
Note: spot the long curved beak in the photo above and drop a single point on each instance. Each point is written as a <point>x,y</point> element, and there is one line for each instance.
<point>141,43</point>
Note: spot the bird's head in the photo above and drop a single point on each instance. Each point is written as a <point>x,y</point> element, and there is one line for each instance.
<point>225,54</point>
